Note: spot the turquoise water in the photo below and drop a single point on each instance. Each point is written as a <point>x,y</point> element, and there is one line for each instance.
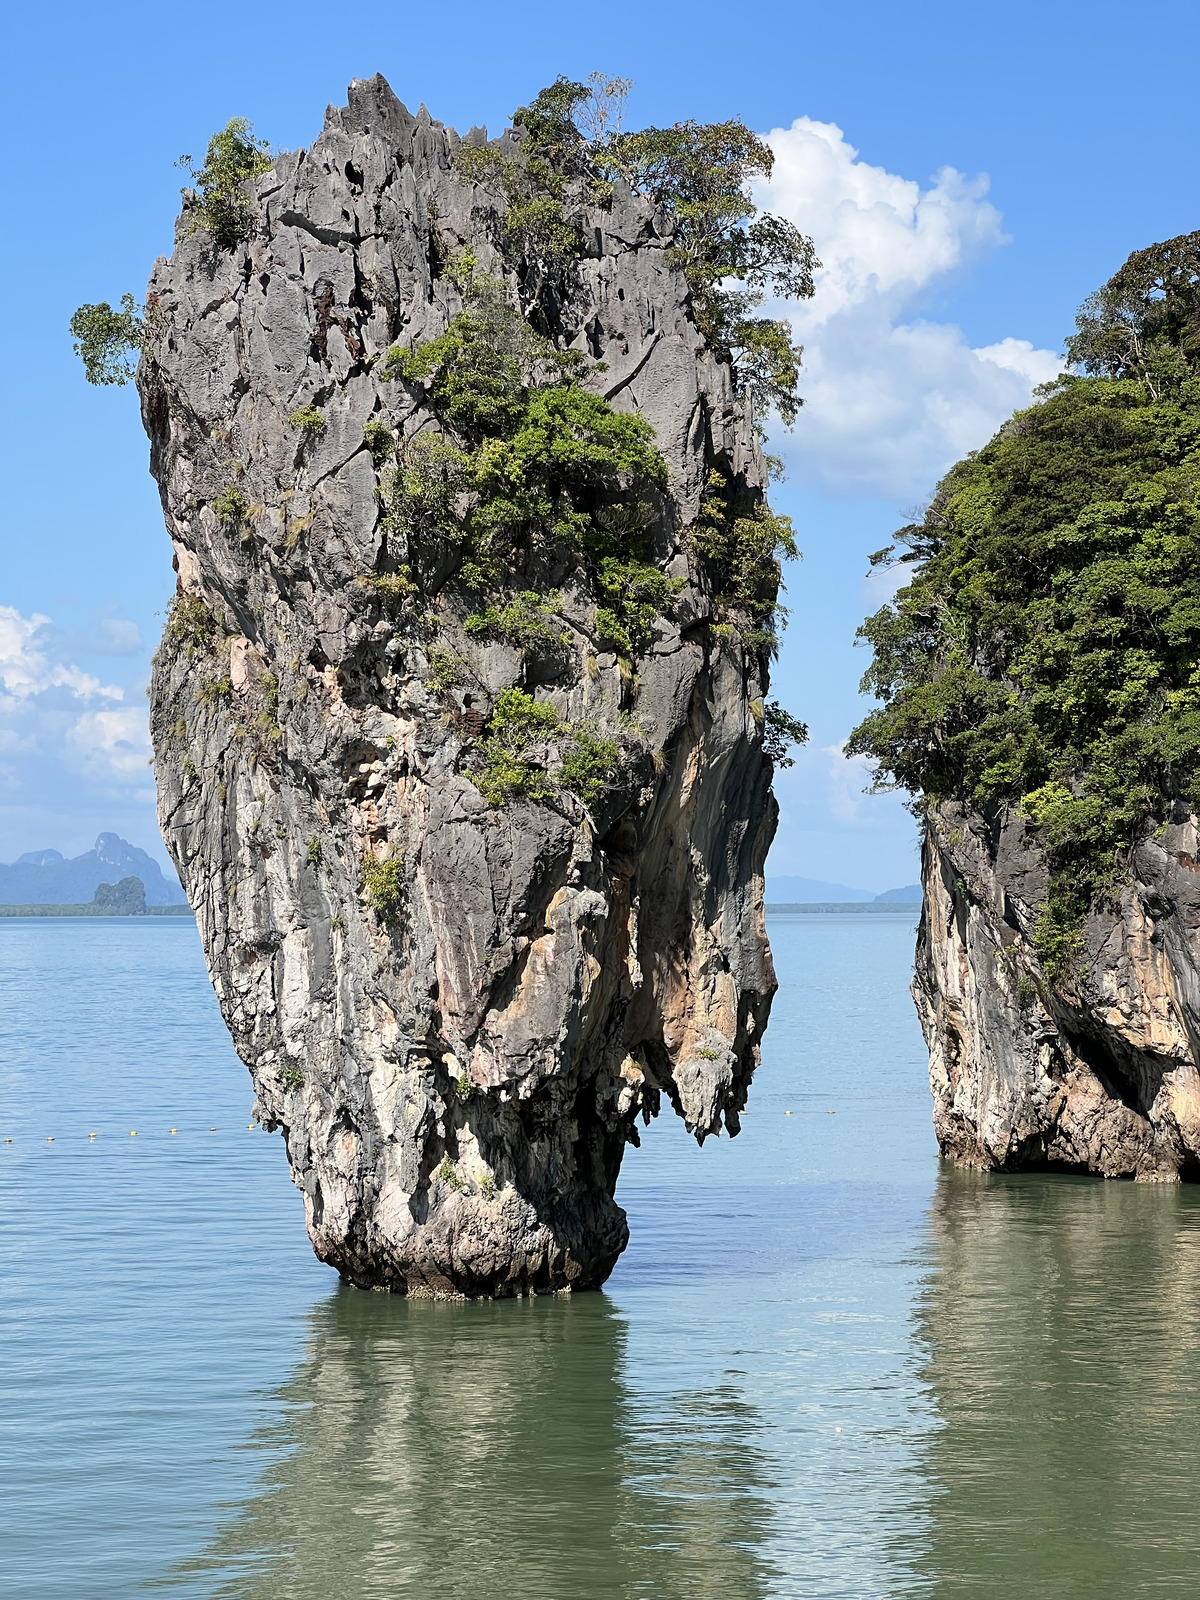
<point>824,1367</point>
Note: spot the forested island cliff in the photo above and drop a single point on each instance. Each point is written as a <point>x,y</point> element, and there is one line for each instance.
<point>1040,680</point>
<point>461,734</point>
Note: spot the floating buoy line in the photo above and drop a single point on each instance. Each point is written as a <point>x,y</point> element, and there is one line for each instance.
<point>251,1127</point>
<point>50,1138</point>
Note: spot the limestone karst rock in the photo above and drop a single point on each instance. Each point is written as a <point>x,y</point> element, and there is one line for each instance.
<point>455,1010</point>
<point>1096,1072</point>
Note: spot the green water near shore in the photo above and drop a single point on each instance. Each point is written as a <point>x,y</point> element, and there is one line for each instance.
<point>825,1367</point>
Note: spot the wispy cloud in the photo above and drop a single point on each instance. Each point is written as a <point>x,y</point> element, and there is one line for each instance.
<point>848,777</point>
<point>113,746</point>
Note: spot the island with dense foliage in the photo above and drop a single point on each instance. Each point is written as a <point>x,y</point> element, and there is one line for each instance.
<point>1039,680</point>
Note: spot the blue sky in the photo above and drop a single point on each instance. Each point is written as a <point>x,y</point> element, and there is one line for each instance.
<point>969,174</point>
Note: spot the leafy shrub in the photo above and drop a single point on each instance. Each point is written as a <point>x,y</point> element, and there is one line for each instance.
<point>446,1172</point>
<point>445,669</point>
<point>215,689</point>
<point>233,156</point>
<point>517,721</point>
<point>383,882</point>
<point>230,507</point>
<point>108,342</point>
<point>588,766</point>
<point>525,622</point>
<point>780,732</point>
<point>637,593</point>
<point>526,451</point>
<point>313,854</point>
<point>291,1078</point>
<point>309,420</point>
<point>379,441</point>
<point>394,587</point>
<point>743,539</point>
<point>191,625</point>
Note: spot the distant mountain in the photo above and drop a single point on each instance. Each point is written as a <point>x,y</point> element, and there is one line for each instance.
<point>910,895</point>
<point>812,891</point>
<point>46,878</point>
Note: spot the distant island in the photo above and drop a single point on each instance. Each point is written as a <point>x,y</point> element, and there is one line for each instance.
<point>47,878</point>
<point>124,899</point>
<point>813,891</point>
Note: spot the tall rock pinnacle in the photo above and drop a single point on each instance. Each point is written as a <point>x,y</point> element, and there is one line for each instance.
<point>476,856</point>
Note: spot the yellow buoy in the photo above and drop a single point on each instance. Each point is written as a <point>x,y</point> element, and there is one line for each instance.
<point>133,1133</point>
<point>50,1140</point>
<point>249,1126</point>
<point>91,1135</point>
<point>787,1113</point>
<point>174,1130</point>
<point>833,1113</point>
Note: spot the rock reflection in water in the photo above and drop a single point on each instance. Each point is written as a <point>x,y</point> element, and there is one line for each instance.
<point>1062,1321</point>
<point>480,1449</point>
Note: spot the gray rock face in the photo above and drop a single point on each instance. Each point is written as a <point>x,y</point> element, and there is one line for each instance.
<point>1097,1074</point>
<point>456,1067</point>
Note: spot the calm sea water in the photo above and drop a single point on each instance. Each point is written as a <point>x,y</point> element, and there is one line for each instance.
<point>823,1368</point>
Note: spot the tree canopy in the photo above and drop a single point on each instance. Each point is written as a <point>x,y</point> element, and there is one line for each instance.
<point>700,174</point>
<point>1046,653</point>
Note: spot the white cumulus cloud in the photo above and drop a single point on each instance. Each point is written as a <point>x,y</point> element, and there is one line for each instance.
<point>891,398</point>
<point>26,669</point>
<point>61,727</point>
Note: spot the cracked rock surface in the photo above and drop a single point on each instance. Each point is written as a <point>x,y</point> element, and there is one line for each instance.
<point>1094,1074</point>
<point>457,1065</point>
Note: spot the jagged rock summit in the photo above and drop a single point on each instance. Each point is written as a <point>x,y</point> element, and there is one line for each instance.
<point>456,1007</point>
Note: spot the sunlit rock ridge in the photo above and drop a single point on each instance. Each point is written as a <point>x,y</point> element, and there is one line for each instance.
<point>1096,1073</point>
<point>456,1011</point>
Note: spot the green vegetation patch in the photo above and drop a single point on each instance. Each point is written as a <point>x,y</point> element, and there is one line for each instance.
<point>1046,653</point>
<point>528,460</point>
<point>233,156</point>
<point>310,421</point>
<point>108,342</point>
<point>742,539</point>
<point>517,722</point>
<point>231,507</point>
<point>525,621</point>
<point>383,884</point>
<point>636,593</point>
<point>191,626</point>
<point>588,766</point>
<point>570,145</point>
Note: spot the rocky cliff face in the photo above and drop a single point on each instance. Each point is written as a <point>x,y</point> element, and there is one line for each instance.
<point>1096,1073</point>
<point>456,1011</point>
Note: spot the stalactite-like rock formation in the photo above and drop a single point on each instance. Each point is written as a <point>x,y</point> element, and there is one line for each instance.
<point>456,1010</point>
